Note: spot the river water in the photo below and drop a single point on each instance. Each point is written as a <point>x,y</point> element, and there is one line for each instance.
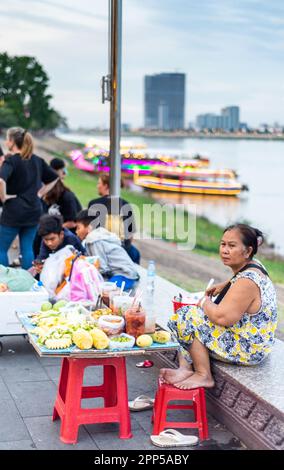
<point>259,164</point>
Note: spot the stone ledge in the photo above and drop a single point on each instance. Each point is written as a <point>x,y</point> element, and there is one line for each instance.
<point>250,417</point>
<point>249,401</point>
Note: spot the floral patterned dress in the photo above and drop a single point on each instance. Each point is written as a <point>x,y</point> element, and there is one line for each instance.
<point>247,342</point>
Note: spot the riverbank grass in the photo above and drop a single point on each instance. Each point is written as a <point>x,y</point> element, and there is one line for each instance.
<point>208,234</point>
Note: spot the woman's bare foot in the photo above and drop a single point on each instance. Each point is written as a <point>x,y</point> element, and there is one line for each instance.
<point>195,380</point>
<point>171,376</point>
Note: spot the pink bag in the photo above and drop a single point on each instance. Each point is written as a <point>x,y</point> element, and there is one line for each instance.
<point>85,281</point>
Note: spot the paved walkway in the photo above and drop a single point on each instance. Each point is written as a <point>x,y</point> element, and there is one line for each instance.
<point>27,390</point>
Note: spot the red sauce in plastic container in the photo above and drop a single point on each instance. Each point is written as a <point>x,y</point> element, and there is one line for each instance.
<point>135,321</point>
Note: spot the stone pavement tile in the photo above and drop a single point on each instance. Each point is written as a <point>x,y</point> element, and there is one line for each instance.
<point>24,394</point>
<point>111,441</point>
<point>15,344</point>
<point>220,437</point>
<point>141,378</point>
<point>18,445</point>
<point>143,418</point>
<point>21,365</point>
<point>12,427</point>
<point>45,434</point>
<point>93,375</point>
<point>49,361</point>
<point>53,373</point>
<point>4,392</point>
<point>113,428</point>
<point>90,403</point>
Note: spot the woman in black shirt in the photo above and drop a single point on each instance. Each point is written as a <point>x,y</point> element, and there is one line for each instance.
<point>21,176</point>
<point>60,200</point>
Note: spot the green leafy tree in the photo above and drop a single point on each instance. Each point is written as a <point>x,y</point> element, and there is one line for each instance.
<point>23,90</point>
<point>7,117</point>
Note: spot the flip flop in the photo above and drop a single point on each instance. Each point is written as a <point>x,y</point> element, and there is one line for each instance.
<point>141,403</point>
<point>145,364</point>
<point>173,438</point>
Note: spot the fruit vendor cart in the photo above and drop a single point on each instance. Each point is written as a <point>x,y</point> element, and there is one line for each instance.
<point>71,389</point>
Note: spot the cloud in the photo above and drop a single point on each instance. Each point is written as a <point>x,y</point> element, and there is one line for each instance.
<point>231,52</point>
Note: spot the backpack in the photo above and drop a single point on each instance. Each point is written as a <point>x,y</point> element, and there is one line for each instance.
<point>82,280</point>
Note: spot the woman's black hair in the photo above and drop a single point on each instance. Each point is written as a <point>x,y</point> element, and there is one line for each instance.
<point>251,237</point>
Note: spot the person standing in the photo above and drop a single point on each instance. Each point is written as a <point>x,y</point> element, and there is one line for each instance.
<point>58,165</point>
<point>2,156</point>
<point>21,176</point>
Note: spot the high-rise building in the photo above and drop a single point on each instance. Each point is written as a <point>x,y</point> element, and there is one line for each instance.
<point>164,101</point>
<point>229,120</point>
<point>231,115</point>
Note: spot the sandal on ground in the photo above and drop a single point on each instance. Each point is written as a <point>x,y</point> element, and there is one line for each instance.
<point>143,402</point>
<point>173,438</point>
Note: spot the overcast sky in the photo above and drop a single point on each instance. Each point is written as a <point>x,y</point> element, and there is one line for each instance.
<point>232,52</point>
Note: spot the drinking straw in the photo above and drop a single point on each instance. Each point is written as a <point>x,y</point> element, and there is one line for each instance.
<point>210,284</point>
<point>98,301</point>
<point>122,287</point>
<point>137,295</point>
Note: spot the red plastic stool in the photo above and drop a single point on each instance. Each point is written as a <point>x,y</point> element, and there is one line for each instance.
<point>167,393</point>
<point>71,392</point>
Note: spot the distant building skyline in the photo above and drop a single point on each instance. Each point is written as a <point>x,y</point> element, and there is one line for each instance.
<point>164,101</point>
<point>228,120</point>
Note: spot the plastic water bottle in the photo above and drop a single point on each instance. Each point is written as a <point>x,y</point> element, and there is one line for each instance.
<point>149,300</point>
<point>151,273</point>
<point>37,287</point>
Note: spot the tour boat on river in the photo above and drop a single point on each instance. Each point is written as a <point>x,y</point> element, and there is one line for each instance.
<point>96,160</point>
<point>199,181</point>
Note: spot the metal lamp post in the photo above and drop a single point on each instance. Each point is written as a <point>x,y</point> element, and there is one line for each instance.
<point>111,90</point>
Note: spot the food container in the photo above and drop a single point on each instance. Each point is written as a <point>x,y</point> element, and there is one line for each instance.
<point>111,324</point>
<point>184,301</point>
<point>127,342</point>
<point>115,293</point>
<point>96,314</point>
<point>107,287</point>
<point>121,303</point>
<point>135,321</point>
<point>150,324</point>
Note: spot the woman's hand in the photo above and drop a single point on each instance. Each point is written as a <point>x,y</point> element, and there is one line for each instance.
<point>202,301</point>
<point>216,289</point>
<point>10,196</point>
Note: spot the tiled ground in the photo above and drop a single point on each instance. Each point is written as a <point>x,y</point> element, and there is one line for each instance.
<point>27,392</point>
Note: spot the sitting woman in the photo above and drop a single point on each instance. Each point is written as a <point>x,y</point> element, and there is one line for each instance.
<point>238,327</point>
<point>60,200</point>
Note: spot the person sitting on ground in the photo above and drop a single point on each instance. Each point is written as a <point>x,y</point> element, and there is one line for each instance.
<point>60,200</point>
<point>238,327</point>
<point>58,165</point>
<point>115,264</point>
<point>126,226</point>
<point>54,237</point>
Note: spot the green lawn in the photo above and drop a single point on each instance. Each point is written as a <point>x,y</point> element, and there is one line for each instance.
<point>208,234</point>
